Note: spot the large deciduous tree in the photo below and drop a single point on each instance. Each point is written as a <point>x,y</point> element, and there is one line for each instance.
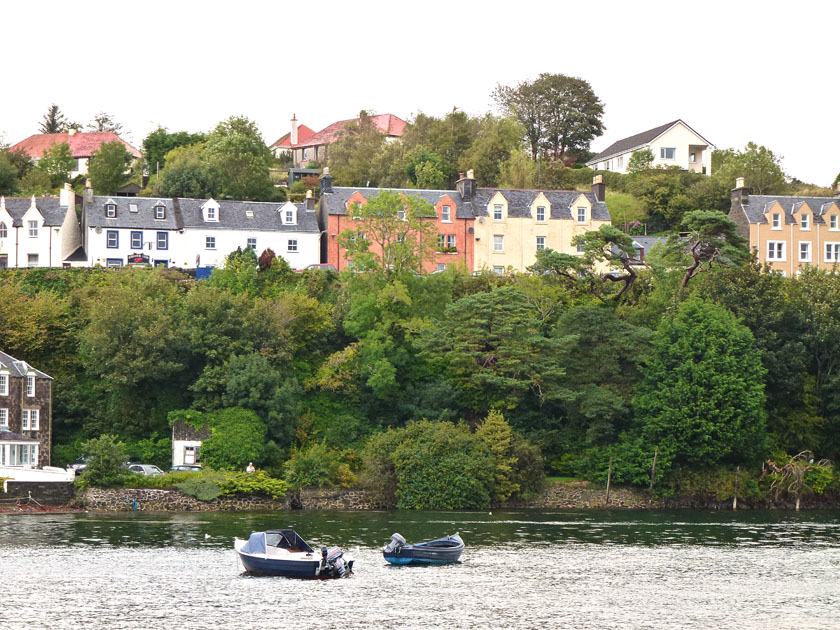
<point>160,142</point>
<point>240,159</point>
<point>57,162</point>
<point>108,166</point>
<point>758,165</point>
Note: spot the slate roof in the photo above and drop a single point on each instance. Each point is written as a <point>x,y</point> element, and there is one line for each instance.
<point>50,208</point>
<point>638,140</point>
<point>19,368</point>
<point>388,124</point>
<point>304,133</point>
<point>82,145</point>
<point>233,216</point>
<point>78,255</point>
<point>759,204</point>
<point>144,218</point>
<point>519,201</point>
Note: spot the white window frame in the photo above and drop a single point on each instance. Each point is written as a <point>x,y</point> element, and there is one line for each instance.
<point>498,269</point>
<point>498,212</point>
<point>581,214</point>
<point>833,248</point>
<point>579,248</point>
<point>108,236</point>
<point>777,221</point>
<point>4,417</point>
<point>292,245</point>
<point>805,222</point>
<point>540,243</point>
<point>451,242</point>
<point>692,157</point>
<point>111,210</point>
<point>211,213</point>
<point>833,223</point>
<point>663,153</point>
<point>290,217</point>
<point>807,251</point>
<point>772,250</point>
<point>133,244</point>
<point>441,266</point>
<point>540,214</point>
<point>160,213</point>
<point>162,237</point>
<point>30,420</point>
<point>209,242</point>
<point>30,386</point>
<point>3,230</point>
<point>32,260</point>
<point>446,214</point>
<point>252,243</point>
<point>498,242</point>
<point>33,229</point>
<point>4,384</point>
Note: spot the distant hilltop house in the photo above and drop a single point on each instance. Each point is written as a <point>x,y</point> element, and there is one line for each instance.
<point>25,415</point>
<point>307,146</point>
<point>672,144</point>
<point>82,146</point>
<point>788,233</point>
<point>40,231</point>
<point>478,228</point>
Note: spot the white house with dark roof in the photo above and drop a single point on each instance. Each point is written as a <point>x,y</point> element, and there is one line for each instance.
<point>189,233</point>
<point>40,231</point>
<point>672,144</point>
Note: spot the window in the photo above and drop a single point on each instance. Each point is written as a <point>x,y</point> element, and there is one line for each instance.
<point>290,216</point>
<point>498,242</point>
<point>29,420</point>
<point>132,207</point>
<point>619,161</point>
<point>30,386</point>
<point>540,242</point>
<point>249,214</point>
<point>580,248</point>
<point>804,251</point>
<point>4,418</point>
<point>211,213</point>
<point>160,212</point>
<point>777,221</point>
<point>441,241</point>
<point>805,222</point>
<point>497,212</point>
<point>581,215</point>
<point>401,214</point>
<point>4,233</point>
<point>33,229</point>
<point>450,241</point>
<point>111,210</point>
<point>832,222</point>
<point>4,384</point>
<point>32,260</point>
<point>113,263</point>
<point>137,240</point>
<point>441,266</point>
<point>446,213</point>
<point>692,157</point>
<point>775,250</point>
<point>112,239</point>
<point>832,252</point>
<point>190,454</point>
<point>498,269</point>
<point>252,243</point>
<point>292,247</point>
<point>209,242</point>
<point>540,213</point>
<point>667,153</point>
<point>162,240</point>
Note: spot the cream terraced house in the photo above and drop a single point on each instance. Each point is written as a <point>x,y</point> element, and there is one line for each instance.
<point>788,233</point>
<point>512,225</point>
<point>672,144</point>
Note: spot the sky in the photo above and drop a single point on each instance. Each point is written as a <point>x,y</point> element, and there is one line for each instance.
<point>735,71</point>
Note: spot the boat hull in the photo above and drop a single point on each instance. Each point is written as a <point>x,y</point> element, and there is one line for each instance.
<point>443,551</point>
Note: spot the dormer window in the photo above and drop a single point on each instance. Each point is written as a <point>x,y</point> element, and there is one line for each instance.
<point>111,210</point>
<point>160,212</point>
<point>30,386</point>
<point>211,214</point>
<point>33,229</point>
<point>211,210</point>
<point>805,222</point>
<point>446,213</point>
<point>581,214</point>
<point>540,213</point>
<point>777,221</point>
<point>4,233</point>
<point>290,216</point>
<point>497,212</point>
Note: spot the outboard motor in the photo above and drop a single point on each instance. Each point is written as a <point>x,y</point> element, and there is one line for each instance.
<point>397,543</point>
<point>335,561</point>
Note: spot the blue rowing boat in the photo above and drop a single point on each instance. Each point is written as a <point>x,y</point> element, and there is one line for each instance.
<point>440,551</point>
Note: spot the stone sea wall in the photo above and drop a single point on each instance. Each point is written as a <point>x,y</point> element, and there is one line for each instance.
<point>170,500</point>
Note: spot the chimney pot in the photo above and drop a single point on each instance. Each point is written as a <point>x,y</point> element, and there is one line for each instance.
<point>471,174</point>
<point>309,194</point>
<point>71,132</point>
<point>739,182</point>
<point>598,179</point>
<point>460,176</point>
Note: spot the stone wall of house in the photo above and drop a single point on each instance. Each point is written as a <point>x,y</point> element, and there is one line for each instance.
<point>169,500</point>
<point>44,492</point>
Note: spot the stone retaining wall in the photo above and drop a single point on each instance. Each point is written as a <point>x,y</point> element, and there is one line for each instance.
<point>170,500</point>
<point>44,492</point>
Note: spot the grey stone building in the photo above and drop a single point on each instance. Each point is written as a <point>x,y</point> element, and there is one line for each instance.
<point>25,414</point>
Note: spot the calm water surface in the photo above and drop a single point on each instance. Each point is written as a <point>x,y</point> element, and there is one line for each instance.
<point>521,569</point>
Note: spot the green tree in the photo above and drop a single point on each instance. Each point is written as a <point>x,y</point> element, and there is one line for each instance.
<point>237,436</point>
<point>105,464</point>
<point>9,183</point>
<point>104,122</point>
<point>160,142</point>
<point>518,171</point>
<point>36,182</point>
<point>442,140</point>
<point>497,435</point>
<point>53,121</point>
<point>57,162</point>
<point>394,234</point>
<point>758,165</point>
<point>240,159</point>
<point>352,158</point>
<point>701,397</point>
<point>641,160</point>
<point>613,247</point>
<point>498,139</point>
<point>187,174</point>
<point>108,166</point>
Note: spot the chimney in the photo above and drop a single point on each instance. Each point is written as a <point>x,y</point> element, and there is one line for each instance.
<point>64,195</point>
<point>326,181</point>
<point>310,200</point>
<point>71,132</point>
<point>599,188</point>
<point>88,191</point>
<point>294,137</point>
<point>740,195</point>
<point>837,190</point>
<point>466,185</point>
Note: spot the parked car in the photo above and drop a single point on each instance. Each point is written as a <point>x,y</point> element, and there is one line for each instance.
<point>145,469</point>
<point>79,465</point>
<point>186,468</point>
<point>322,266</point>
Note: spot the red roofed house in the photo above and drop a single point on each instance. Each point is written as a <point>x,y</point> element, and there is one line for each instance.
<point>314,147</point>
<point>298,134</point>
<point>82,146</point>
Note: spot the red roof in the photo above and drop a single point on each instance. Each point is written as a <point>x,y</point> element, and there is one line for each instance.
<point>82,145</point>
<point>388,124</point>
<point>304,133</point>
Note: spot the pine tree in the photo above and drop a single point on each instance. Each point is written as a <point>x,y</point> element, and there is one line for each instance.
<point>54,121</point>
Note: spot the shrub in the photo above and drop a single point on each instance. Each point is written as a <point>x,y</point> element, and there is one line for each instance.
<point>319,466</point>
<point>106,455</point>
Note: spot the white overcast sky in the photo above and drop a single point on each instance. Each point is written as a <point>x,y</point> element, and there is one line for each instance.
<point>735,71</point>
